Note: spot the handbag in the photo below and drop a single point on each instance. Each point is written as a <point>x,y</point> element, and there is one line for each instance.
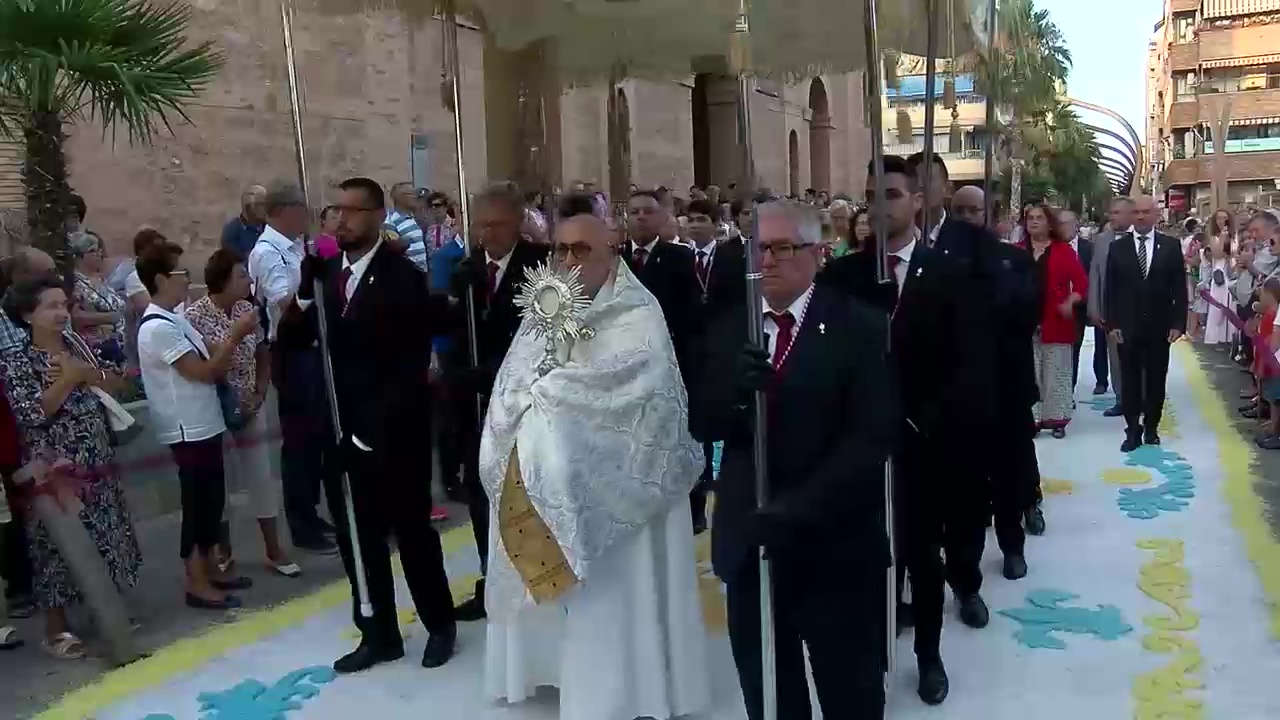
<point>233,415</point>
<point>122,425</point>
<point>1219,277</point>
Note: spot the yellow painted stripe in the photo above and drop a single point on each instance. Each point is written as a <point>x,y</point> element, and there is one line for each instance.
<point>1248,513</point>
<point>191,653</point>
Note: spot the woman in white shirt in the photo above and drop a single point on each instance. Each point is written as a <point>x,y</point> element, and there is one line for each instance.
<point>181,375</point>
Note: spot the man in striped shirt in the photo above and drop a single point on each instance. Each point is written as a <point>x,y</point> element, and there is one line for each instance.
<point>408,236</point>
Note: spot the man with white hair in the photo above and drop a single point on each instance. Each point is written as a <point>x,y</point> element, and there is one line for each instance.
<point>241,232</point>
<point>832,416</point>
<point>592,585</point>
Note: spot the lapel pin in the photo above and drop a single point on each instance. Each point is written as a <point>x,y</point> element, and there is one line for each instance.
<point>822,328</point>
<point>918,271</point>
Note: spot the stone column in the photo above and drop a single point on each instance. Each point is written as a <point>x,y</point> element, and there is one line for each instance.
<point>820,130</point>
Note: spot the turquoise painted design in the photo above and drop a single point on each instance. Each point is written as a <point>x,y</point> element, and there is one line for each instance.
<point>1045,614</point>
<point>716,454</point>
<point>1172,495</point>
<point>252,700</point>
<point>1101,403</point>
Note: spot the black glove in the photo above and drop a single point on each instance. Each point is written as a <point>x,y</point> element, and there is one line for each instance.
<point>770,527</point>
<point>754,371</point>
<point>467,275</point>
<point>312,270</point>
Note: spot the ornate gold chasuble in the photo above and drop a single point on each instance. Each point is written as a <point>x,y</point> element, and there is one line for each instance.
<point>532,548</point>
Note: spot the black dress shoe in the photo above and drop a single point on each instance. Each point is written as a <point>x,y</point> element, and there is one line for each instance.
<point>1114,411</point>
<point>366,656</point>
<point>906,617</point>
<point>235,583</point>
<point>934,685</point>
<point>1100,389</point>
<point>1015,567</point>
<point>440,646</point>
<point>973,611</point>
<point>1131,443</point>
<point>229,602</point>
<point>1033,520</point>
<point>471,610</point>
<point>1151,438</point>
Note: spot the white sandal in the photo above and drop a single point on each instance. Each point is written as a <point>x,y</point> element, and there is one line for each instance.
<point>64,646</point>
<point>289,570</point>
<point>9,639</point>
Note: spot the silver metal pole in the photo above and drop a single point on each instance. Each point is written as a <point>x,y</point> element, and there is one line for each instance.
<point>453,72</point>
<point>875,94</point>
<point>930,93</point>
<point>295,105</point>
<point>755,333</point>
<point>988,169</point>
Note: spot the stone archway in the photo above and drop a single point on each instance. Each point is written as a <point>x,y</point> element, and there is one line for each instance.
<point>820,131</point>
<point>619,143</point>
<point>793,164</point>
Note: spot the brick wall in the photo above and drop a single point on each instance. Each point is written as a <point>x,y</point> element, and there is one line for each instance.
<point>1239,42</point>
<point>1184,56</point>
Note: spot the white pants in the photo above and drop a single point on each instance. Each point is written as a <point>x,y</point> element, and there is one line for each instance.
<point>247,455</point>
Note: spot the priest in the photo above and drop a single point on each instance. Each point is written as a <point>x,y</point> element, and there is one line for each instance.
<point>587,460</point>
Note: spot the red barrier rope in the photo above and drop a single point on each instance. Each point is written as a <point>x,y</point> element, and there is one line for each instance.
<point>1261,348</point>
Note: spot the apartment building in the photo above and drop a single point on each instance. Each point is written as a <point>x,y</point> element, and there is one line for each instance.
<point>904,102</point>
<point>1208,57</point>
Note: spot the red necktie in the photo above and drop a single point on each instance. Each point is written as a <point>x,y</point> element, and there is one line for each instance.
<point>493,278</point>
<point>894,262</point>
<point>343,280</point>
<point>639,256</point>
<point>786,323</point>
<point>704,266</point>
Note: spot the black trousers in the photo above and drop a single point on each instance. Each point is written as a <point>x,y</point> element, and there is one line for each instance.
<point>841,621</point>
<point>467,430</point>
<point>698,496</point>
<point>1144,362</point>
<point>15,562</point>
<point>304,424</point>
<point>1075,355</point>
<point>204,493</point>
<point>1015,476</point>
<point>933,513</point>
<point>1100,356</point>
<point>389,499</point>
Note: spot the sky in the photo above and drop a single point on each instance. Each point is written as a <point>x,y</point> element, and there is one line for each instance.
<point>1108,44</point>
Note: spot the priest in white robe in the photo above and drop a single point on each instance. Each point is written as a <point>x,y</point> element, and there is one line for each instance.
<point>588,462</point>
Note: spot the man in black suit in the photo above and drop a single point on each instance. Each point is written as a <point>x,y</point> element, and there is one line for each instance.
<point>377,307</point>
<point>666,270</point>
<point>831,416</point>
<point>1069,223</point>
<point>941,355</point>
<point>1146,312</point>
<point>708,256</point>
<point>492,274</point>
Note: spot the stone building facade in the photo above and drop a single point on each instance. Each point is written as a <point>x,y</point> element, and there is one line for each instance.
<point>374,106</point>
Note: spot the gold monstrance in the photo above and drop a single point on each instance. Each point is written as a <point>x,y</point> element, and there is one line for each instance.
<point>553,304</point>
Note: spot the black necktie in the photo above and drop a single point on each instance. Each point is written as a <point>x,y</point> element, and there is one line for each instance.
<point>1142,254</point>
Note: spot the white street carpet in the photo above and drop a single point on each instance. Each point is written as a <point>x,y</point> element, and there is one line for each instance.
<point>1148,598</point>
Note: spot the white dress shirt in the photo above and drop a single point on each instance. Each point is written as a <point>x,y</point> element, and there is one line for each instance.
<point>1148,239</point>
<point>647,247</point>
<point>275,267</point>
<point>502,264</point>
<point>705,254</point>
<point>797,310</point>
<point>933,233</point>
<point>900,272</point>
<point>1075,243</point>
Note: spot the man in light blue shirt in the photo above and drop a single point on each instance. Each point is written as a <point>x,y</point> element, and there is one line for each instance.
<point>408,236</point>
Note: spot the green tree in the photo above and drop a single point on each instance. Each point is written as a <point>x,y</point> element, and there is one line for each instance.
<point>124,64</point>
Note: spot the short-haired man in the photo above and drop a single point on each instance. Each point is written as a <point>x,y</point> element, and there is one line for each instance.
<point>666,269</point>
<point>1120,221</point>
<point>934,213</point>
<point>241,232</point>
<point>401,228</point>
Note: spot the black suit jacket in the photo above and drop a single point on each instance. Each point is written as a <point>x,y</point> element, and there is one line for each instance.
<point>831,419</point>
<point>1146,307</point>
<point>940,343</point>
<point>381,352</point>
<point>669,274</point>
<point>727,281</point>
<point>1086,259</point>
<point>497,321</point>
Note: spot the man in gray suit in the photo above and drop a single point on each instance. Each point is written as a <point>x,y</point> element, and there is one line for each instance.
<point>1121,219</point>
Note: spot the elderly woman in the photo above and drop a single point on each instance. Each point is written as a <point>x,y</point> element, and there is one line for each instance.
<point>248,454</point>
<point>1062,285</point>
<point>97,312</point>
<point>48,385</point>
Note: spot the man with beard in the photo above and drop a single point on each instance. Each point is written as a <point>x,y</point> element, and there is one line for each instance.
<point>493,275</point>
<point>376,305</point>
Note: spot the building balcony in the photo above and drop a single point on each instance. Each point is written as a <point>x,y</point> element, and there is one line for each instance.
<point>1184,5</point>
<point>1184,57</point>
<point>1241,165</point>
<point>1234,44</point>
<point>962,166</point>
<point>1183,113</point>
<point>1245,104</point>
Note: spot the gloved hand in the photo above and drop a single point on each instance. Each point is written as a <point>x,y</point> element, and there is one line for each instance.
<point>312,269</point>
<point>466,275</point>
<point>754,371</point>
<point>770,527</point>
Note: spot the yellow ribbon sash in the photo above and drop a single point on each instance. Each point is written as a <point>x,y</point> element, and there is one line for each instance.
<point>528,541</point>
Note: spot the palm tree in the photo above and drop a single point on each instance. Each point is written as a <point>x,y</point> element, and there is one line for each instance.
<point>1025,76</point>
<point>125,64</point>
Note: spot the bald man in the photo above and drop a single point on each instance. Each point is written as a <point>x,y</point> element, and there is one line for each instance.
<point>969,204</point>
<point>241,232</point>
<point>1146,312</point>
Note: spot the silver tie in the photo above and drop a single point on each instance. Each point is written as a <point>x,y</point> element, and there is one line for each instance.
<point>1142,254</point>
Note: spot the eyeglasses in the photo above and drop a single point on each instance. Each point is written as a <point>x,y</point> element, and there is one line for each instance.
<point>780,251</point>
<point>580,251</point>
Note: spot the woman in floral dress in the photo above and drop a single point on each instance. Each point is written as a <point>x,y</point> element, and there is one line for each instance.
<point>97,310</point>
<point>47,383</point>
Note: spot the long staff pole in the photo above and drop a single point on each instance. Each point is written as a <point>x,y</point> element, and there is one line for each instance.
<point>453,73</point>
<point>930,112</point>
<point>299,146</point>
<point>875,93</point>
<point>988,168</point>
<point>755,333</point>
